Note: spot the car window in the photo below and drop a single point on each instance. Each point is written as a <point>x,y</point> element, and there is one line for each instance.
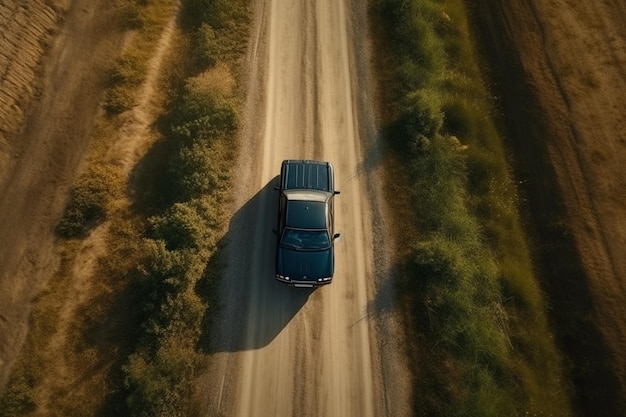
<point>305,239</point>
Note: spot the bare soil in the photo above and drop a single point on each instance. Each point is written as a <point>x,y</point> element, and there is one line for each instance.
<point>53,53</point>
<point>44,158</point>
<point>560,72</point>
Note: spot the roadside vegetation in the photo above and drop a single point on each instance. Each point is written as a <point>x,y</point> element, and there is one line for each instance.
<point>480,342</point>
<point>143,332</point>
<point>183,196</point>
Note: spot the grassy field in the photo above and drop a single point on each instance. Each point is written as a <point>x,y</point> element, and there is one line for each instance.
<point>478,328</point>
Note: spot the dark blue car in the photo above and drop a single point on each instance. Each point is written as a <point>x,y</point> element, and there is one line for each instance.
<point>305,235</point>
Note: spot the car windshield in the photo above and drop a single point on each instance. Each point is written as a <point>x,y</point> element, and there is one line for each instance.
<point>305,239</point>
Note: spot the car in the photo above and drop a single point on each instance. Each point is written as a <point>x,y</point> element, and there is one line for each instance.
<point>305,232</point>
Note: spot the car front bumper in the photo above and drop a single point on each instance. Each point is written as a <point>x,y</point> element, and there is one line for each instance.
<point>304,283</point>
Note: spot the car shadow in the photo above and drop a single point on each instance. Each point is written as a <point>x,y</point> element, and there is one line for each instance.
<point>254,308</point>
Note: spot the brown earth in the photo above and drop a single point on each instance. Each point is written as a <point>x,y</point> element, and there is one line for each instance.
<point>560,72</point>
<point>90,38</point>
<point>49,96</point>
<point>560,66</point>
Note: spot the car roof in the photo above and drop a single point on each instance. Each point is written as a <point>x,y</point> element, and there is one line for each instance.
<point>306,214</point>
<point>307,174</point>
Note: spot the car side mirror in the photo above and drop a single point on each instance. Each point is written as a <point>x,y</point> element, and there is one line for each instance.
<point>276,188</point>
<point>337,235</point>
<point>337,192</point>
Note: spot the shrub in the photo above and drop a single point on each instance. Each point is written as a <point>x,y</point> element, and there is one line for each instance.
<point>123,78</point>
<point>160,385</point>
<point>217,82</point>
<point>179,227</point>
<point>208,48</point>
<point>182,237</point>
<point>197,170</point>
<point>469,247</point>
<point>88,203</point>
<point>179,316</point>
<point>201,116</point>
<point>119,99</point>
<point>133,15</point>
<point>216,13</point>
<point>422,113</point>
<point>125,70</point>
<point>16,401</point>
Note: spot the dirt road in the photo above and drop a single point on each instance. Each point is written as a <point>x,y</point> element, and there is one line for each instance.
<point>282,351</point>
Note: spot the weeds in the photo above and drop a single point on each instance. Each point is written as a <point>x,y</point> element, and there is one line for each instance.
<point>186,220</point>
<point>471,291</point>
<point>88,202</point>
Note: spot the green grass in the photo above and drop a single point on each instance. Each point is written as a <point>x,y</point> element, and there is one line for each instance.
<point>478,317</point>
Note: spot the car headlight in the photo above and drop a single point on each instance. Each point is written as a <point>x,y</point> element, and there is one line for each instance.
<point>282,277</point>
<point>325,279</point>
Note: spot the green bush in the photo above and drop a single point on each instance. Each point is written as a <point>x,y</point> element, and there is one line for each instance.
<point>217,13</point>
<point>123,79</point>
<point>197,170</point>
<point>184,227</point>
<point>125,70</point>
<point>88,203</point>
<point>208,47</point>
<point>180,227</point>
<point>469,251</point>
<point>160,385</point>
<point>422,114</point>
<point>133,15</point>
<point>165,271</point>
<point>179,316</point>
<point>16,401</point>
<point>461,292</point>
<point>201,116</point>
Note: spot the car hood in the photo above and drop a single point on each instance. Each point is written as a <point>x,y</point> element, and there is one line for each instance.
<point>304,265</point>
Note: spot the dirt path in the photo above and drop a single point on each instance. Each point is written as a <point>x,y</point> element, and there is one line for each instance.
<point>573,57</point>
<point>279,350</point>
<point>63,366</point>
<point>41,156</point>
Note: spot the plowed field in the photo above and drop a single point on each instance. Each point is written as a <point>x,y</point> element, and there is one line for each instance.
<point>561,73</point>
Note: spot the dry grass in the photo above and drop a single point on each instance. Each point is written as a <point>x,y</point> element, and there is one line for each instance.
<point>217,81</point>
<point>69,360</point>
